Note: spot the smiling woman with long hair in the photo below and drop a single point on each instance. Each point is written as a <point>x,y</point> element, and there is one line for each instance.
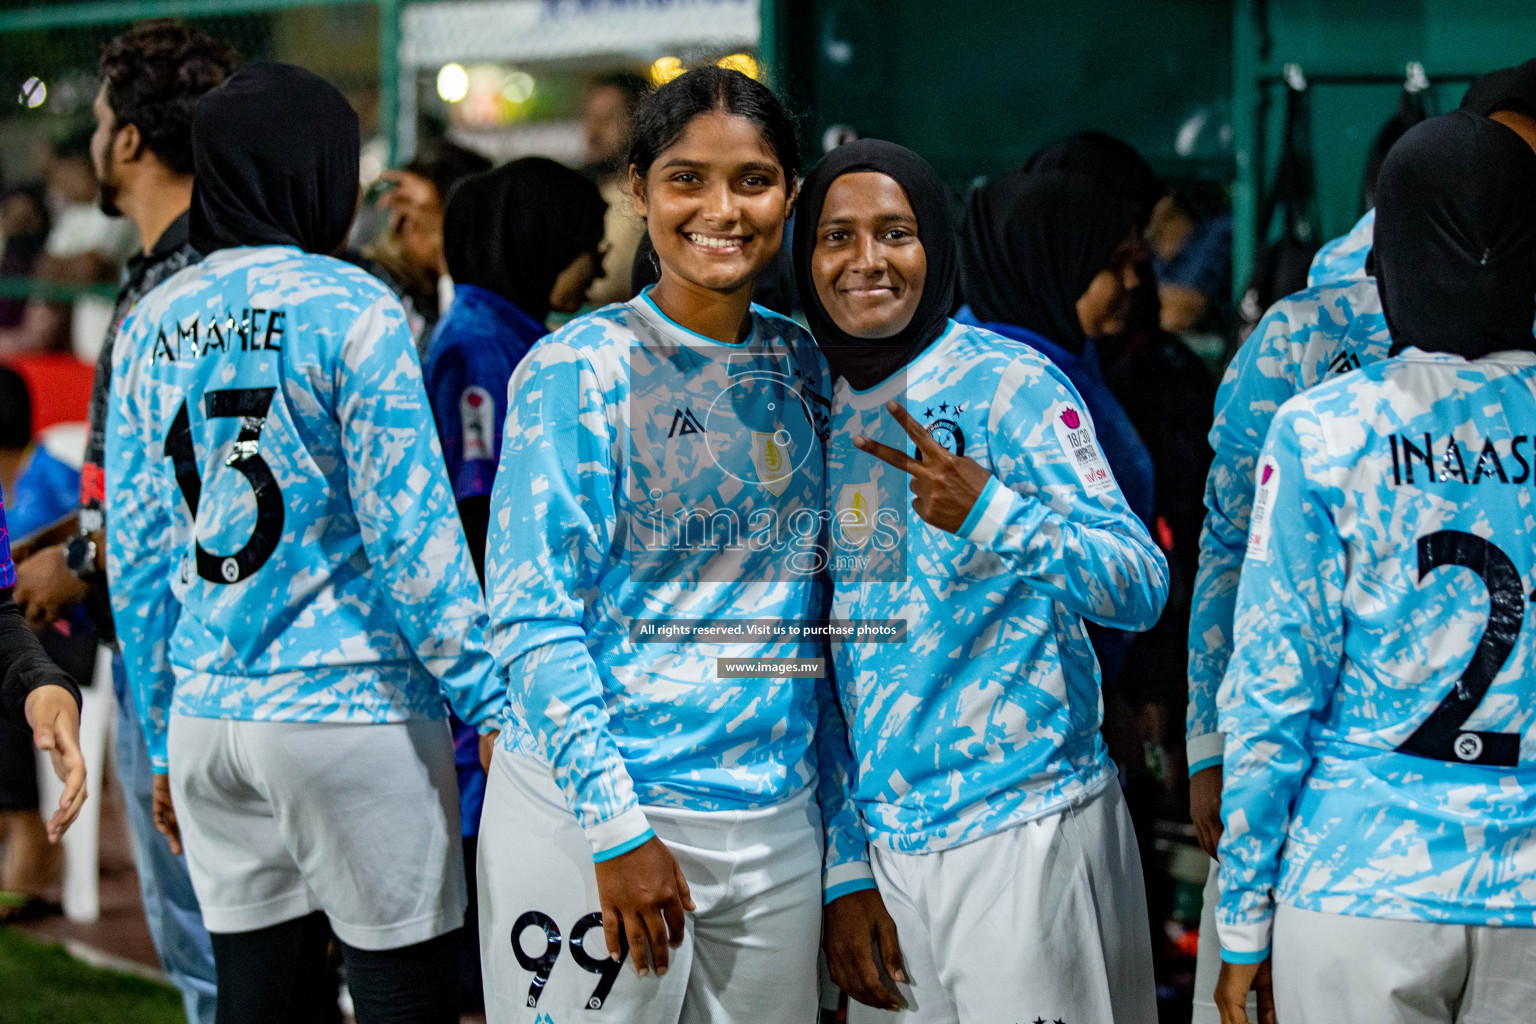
<point>662,461</point>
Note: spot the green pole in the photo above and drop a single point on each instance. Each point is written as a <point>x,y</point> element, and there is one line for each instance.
<point>389,74</point>
<point>109,12</point>
<point>1245,134</point>
<point>768,40</point>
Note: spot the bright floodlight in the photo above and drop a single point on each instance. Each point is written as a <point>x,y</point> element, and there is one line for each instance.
<point>453,83</point>
<point>518,87</point>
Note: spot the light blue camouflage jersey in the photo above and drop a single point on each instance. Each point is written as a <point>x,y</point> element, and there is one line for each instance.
<point>1343,258</point>
<point>1381,746</point>
<point>284,544</point>
<point>988,715</point>
<point>1305,338</point>
<point>651,477</point>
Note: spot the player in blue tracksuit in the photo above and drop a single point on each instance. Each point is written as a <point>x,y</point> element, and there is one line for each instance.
<point>1379,800</point>
<point>975,737</point>
<point>292,587</point>
<point>661,467</point>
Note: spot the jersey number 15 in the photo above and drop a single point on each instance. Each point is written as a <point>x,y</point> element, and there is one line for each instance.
<point>250,406</point>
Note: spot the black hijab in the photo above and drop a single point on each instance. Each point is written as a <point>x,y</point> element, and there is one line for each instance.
<point>1455,240</point>
<point>1503,89</point>
<point>512,230</point>
<point>274,154</point>
<point>865,362</point>
<point>1032,242</point>
<point>1107,160</point>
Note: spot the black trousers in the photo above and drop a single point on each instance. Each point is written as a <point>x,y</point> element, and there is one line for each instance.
<point>280,975</point>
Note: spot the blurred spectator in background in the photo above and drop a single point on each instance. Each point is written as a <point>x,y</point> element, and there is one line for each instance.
<point>1191,240</point>
<point>85,247</point>
<point>24,224</point>
<point>605,118</point>
<point>519,241</point>
<point>411,251</point>
<point>40,489</point>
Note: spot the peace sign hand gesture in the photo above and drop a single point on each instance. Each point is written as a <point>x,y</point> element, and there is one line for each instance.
<point>944,486</point>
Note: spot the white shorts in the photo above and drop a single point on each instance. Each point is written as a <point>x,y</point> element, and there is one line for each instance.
<point>1329,967</point>
<point>1047,920</point>
<point>1208,957</point>
<point>281,819</point>
<point>750,948</point>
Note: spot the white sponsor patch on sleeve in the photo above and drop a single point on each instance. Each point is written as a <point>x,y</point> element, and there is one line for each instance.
<point>477,423</point>
<point>1075,434</point>
<point>1267,481</point>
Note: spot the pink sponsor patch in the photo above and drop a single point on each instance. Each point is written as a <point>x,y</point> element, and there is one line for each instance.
<point>1269,471</point>
<point>1069,417</point>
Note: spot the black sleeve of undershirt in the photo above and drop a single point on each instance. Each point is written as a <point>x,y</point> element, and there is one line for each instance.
<point>475,513</point>
<point>23,665</point>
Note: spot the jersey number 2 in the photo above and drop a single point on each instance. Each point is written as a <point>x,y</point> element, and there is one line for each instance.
<point>1441,737</point>
<point>250,406</point>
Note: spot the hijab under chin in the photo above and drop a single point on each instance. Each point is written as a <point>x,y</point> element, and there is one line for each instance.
<point>1455,238</point>
<point>275,158</point>
<point>513,230</point>
<point>865,362</point>
<point>1032,242</point>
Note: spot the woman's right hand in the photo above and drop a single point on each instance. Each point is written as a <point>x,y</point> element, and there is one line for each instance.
<point>643,895</point>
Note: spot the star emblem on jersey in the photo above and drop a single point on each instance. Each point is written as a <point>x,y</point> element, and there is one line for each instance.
<point>685,422</point>
<point>945,430</point>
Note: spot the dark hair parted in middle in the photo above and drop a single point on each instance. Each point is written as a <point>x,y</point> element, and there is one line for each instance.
<point>154,74</point>
<point>665,113</point>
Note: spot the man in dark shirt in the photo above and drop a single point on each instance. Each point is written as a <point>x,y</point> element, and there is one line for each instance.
<point>152,76</point>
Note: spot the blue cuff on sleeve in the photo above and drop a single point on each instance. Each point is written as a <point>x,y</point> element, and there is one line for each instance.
<point>844,888</point>
<point>623,848</point>
<point>973,518</point>
<point>1233,957</point>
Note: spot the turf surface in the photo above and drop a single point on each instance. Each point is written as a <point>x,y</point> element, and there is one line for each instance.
<point>41,984</point>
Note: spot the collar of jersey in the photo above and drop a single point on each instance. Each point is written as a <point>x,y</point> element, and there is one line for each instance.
<point>646,302</point>
<point>896,384</point>
<point>1509,357</point>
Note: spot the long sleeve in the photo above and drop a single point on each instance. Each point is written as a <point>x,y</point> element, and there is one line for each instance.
<point>1285,663</point>
<point>23,665</point>
<point>553,522</point>
<point>845,864</point>
<point>141,542</point>
<point>1055,513</point>
<point>1251,392</point>
<point>406,512</point>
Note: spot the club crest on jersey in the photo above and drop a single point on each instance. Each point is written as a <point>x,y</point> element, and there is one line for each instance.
<point>1075,435</point>
<point>477,421</point>
<point>770,457</point>
<point>945,430</point>
<point>856,505</point>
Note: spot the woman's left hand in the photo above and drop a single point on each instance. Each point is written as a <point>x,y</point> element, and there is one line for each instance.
<point>945,486</point>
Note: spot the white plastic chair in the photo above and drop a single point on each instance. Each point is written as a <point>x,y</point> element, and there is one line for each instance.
<point>82,843</point>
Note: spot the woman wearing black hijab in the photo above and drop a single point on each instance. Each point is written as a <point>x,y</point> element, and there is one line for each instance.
<point>976,736</point>
<point>1378,698</point>
<point>292,588</point>
<point>520,241</point>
